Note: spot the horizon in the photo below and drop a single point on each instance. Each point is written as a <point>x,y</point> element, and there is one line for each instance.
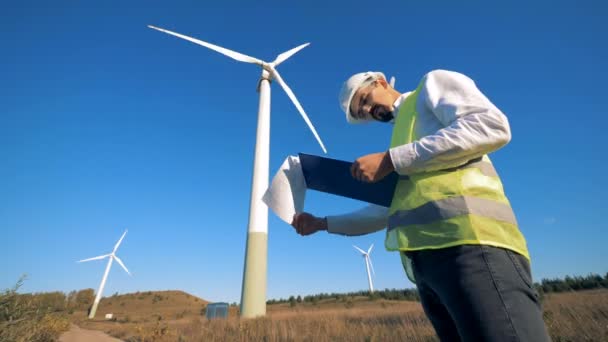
<point>279,300</point>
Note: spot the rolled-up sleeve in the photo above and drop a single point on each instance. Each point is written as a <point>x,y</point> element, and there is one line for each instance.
<point>369,219</point>
<point>473,126</point>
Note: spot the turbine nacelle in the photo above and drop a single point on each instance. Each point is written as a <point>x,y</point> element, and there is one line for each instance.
<point>369,250</point>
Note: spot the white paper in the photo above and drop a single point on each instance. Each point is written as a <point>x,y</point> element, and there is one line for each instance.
<point>287,191</point>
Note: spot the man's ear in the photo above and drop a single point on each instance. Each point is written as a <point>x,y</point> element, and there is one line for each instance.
<point>382,82</point>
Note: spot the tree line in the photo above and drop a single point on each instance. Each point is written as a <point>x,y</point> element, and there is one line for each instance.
<point>576,283</point>
<point>389,294</point>
<point>569,283</point>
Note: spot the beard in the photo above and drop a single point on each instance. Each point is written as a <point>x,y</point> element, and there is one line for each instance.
<point>383,114</point>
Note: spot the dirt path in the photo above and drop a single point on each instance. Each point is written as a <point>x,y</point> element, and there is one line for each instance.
<point>76,334</point>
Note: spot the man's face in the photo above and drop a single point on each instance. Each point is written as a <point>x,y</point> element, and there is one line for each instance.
<point>373,102</point>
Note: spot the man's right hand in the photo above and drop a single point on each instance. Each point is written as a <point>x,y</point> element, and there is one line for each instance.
<point>306,224</point>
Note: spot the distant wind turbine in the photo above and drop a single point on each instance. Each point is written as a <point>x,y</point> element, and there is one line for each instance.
<point>112,256</point>
<point>253,293</point>
<point>368,265</point>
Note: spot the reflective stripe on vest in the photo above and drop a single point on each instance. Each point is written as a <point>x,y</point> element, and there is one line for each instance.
<point>452,207</point>
<point>456,206</point>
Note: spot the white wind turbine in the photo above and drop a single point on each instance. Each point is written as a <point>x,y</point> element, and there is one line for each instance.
<point>368,265</point>
<point>112,256</point>
<point>253,293</point>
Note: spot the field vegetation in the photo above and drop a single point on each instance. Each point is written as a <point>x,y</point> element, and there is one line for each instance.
<point>575,309</point>
<point>32,317</point>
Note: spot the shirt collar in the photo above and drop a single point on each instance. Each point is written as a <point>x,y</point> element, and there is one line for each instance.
<point>397,104</point>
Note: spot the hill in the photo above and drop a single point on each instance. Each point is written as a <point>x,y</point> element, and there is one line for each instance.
<point>148,306</point>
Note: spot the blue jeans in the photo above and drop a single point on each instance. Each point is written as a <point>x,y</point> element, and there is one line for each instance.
<point>478,293</point>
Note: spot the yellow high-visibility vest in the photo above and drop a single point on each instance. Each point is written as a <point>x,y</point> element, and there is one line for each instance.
<point>438,209</point>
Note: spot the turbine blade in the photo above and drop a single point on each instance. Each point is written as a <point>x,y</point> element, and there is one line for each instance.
<point>282,57</point>
<point>360,250</point>
<point>370,248</point>
<point>295,101</point>
<point>119,241</point>
<point>371,265</point>
<point>95,258</point>
<point>232,54</point>
<point>121,264</point>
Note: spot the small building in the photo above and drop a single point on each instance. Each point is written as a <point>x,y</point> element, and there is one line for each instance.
<point>109,316</point>
<point>216,310</point>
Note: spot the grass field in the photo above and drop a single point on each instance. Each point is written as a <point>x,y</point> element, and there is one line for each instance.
<point>176,316</point>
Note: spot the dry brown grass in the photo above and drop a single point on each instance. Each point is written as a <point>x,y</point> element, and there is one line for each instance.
<point>577,316</point>
<point>365,321</point>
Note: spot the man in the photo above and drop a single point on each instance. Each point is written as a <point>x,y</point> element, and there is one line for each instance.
<point>449,219</point>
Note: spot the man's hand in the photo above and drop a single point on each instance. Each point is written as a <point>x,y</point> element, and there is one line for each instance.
<point>372,167</point>
<point>306,224</point>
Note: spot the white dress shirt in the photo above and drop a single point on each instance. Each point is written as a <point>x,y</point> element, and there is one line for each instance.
<point>456,123</point>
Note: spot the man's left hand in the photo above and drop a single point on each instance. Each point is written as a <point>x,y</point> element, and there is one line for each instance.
<point>372,167</point>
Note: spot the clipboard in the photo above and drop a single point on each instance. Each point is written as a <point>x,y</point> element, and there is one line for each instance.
<point>333,176</point>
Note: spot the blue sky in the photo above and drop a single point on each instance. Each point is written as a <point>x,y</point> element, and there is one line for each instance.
<point>106,125</point>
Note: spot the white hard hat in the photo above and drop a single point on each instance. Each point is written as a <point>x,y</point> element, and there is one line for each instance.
<point>350,87</point>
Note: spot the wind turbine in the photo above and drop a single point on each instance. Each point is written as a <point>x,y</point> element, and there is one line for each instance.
<point>253,293</point>
<point>368,265</point>
<point>112,256</point>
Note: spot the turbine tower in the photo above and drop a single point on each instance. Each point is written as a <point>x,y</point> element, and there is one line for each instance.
<point>368,265</point>
<point>253,292</point>
<point>112,256</point>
